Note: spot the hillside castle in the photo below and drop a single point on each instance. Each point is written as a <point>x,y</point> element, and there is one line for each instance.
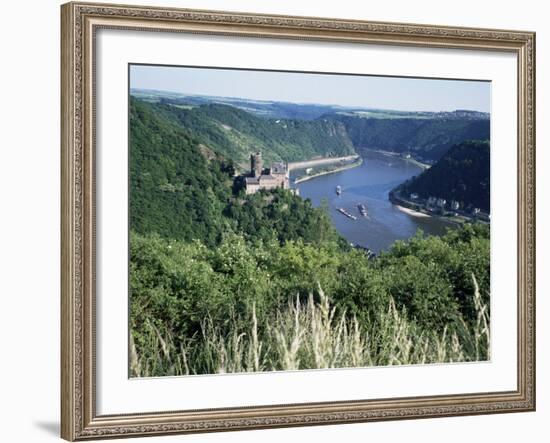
<point>270,178</point>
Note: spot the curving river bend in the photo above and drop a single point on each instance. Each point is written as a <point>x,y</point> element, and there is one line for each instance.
<point>370,184</point>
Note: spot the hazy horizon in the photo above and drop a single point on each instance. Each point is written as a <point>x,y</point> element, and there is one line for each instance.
<point>344,90</point>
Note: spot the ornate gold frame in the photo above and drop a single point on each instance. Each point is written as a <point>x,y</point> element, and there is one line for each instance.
<point>79,420</point>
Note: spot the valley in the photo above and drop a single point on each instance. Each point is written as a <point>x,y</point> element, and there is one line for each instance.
<point>221,280</point>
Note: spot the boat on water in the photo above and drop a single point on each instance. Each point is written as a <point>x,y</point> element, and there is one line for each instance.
<point>362,209</point>
<point>346,213</point>
<point>338,190</point>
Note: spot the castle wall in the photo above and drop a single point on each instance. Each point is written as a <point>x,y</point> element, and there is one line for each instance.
<point>277,178</point>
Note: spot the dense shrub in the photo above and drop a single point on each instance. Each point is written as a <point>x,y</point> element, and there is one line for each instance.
<point>176,286</point>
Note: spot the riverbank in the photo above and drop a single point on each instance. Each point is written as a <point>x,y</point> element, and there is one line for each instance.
<point>358,162</point>
<point>369,184</point>
<point>417,210</point>
<point>397,155</point>
<point>321,161</point>
<point>411,212</point>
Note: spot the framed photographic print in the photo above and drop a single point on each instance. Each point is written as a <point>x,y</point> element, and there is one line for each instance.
<point>282,221</point>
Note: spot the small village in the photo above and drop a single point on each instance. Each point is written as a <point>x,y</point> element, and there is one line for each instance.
<point>438,206</point>
<point>278,176</point>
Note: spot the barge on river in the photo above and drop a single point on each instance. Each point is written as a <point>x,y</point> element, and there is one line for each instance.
<point>346,213</point>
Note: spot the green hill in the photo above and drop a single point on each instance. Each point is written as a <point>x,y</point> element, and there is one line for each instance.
<point>206,264</point>
<point>426,139</point>
<point>181,189</point>
<point>177,189</point>
<point>228,129</point>
<point>298,111</point>
<point>462,174</point>
<point>236,133</point>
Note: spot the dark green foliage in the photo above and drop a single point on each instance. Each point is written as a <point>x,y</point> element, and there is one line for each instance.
<point>282,216</point>
<point>236,133</point>
<point>432,276</point>
<point>176,189</point>
<point>177,285</point>
<point>426,139</point>
<point>201,250</point>
<point>462,174</point>
<point>180,189</point>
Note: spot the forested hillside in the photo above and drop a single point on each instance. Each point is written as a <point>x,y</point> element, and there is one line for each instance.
<point>181,189</point>
<point>229,129</point>
<point>175,189</point>
<point>425,139</point>
<point>289,110</point>
<point>462,174</point>
<point>259,306</point>
<point>235,133</point>
<point>281,216</point>
<point>226,282</point>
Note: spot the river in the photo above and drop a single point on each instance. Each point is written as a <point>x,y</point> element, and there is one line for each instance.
<point>370,184</point>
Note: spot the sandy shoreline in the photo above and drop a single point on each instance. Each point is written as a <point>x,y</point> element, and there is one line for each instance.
<point>396,155</point>
<point>321,161</point>
<point>412,211</point>
<point>331,171</point>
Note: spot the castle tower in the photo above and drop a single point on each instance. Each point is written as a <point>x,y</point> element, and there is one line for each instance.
<point>256,164</point>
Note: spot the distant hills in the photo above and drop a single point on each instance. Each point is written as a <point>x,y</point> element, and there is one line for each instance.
<point>260,108</point>
<point>300,111</point>
<point>206,261</point>
<point>235,133</point>
<point>292,131</point>
<point>426,139</point>
<point>182,189</point>
<point>462,174</point>
<point>183,159</point>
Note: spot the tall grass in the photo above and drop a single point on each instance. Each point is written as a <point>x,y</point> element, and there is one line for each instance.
<point>311,335</point>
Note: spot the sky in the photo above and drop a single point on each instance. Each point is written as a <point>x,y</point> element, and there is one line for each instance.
<point>395,93</point>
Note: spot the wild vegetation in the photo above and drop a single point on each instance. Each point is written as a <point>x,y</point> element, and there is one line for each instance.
<point>426,139</point>
<point>246,306</point>
<point>177,187</point>
<point>224,282</point>
<point>290,132</point>
<point>180,189</point>
<point>232,132</point>
<point>296,111</point>
<point>462,174</point>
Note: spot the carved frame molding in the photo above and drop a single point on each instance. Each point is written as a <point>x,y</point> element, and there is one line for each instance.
<point>79,24</point>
